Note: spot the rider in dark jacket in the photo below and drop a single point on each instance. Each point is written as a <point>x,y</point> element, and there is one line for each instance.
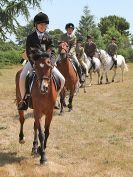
<point>90,49</point>
<point>112,50</point>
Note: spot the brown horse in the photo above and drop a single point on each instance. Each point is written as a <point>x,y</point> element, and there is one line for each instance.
<point>71,77</point>
<point>44,96</point>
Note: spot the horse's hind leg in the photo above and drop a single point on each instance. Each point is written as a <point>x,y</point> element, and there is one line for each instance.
<point>21,134</point>
<point>35,142</point>
<point>70,100</point>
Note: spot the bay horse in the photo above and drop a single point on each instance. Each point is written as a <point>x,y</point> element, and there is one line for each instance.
<point>71,77</point>
<point>44,95</point>
<point>108,65</point>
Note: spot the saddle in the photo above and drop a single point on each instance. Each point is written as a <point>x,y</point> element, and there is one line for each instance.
<point>30,79</point>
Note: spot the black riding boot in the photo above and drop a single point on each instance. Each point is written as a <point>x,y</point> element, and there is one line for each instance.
<point>93,64</point>
<point>115,62</point>
<point>79,71</point>
<point>23,105</point>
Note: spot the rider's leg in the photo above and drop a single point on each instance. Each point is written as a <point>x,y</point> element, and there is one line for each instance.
<point>27,68</point>
<point>92,62</point>
<point>85,67</point>
<point>62,79</point>
<point>78,67</point>
<point>115,61</point>
<point>58,59</point>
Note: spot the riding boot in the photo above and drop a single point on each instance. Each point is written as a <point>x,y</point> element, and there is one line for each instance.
<point>93,64</point>
<point>115,62</point>
<point>23,105</point>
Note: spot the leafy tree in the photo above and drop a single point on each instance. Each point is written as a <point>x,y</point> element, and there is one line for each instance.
<point>118,23</point>
<point>56,34</point>
<point>22,33</point>
<point>10,10</point>
<point>87,26</point>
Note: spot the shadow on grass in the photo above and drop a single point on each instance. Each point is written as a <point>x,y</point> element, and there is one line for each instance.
<point>9,157</point>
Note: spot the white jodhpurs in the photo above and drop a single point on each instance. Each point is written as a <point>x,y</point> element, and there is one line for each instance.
<point>62,79</point>
<point>26,69</point>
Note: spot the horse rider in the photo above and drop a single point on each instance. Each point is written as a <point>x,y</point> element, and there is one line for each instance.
<point>70,38</point>
<point>112,50</point>
<point>38,38</point>
<point>90,49</point>
<point>80,54</point>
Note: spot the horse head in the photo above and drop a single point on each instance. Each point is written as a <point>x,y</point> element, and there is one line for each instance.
<point>43,69</point>
<point>63,49</point>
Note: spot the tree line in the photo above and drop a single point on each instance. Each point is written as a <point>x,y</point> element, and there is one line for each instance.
<point>102,32</point>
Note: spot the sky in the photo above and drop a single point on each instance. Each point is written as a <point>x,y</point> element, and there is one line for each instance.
<point>61,12</point>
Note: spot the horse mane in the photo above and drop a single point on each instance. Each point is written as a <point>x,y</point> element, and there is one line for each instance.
<point>38,53</point>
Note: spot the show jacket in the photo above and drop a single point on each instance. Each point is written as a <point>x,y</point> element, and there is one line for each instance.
<point>71,40</point>
<point>46,42</point>
<point>90,49</point>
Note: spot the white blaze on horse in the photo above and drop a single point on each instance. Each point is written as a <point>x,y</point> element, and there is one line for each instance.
<point>90,68</point>
<point>108,64</point>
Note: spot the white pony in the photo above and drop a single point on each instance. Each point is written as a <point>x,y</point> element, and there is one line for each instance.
<point>90,70</point>
<point>108,64</point>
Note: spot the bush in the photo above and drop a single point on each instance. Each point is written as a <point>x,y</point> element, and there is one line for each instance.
<point>127,53</point>
<point>10,57</point>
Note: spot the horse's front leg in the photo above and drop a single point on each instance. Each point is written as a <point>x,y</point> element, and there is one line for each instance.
<point>70,100</point>
<point>35,142</point>
<point>113,78</point>
<point>21,134</point>
<point>47,126</point>
<point>62,100</point>
<point>90,79</point>
<point>39,126</point>
<point>107,80</point>
<point>98,73</point>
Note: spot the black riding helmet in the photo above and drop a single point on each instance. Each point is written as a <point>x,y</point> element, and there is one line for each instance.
<point>80,39</point>
<point>69,25</point>
<point>41,18</point>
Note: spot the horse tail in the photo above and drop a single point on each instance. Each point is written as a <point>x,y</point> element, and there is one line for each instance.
<point>125,65</point>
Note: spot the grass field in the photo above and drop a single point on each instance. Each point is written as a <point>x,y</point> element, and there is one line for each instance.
<point>94,140</point>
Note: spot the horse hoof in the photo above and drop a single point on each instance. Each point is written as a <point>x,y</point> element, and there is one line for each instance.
<point>43,161</point>
<point>61,113</point>
<point>70,109</point>
<point>22,141</point>
<point>34,152</point>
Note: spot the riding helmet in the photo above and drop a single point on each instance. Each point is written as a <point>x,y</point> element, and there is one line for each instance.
<point>70,25</point>
<point>113,38</point>
<point>41,18</point>
<point>89,37</point>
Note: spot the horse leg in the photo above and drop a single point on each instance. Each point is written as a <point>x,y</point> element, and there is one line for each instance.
<point>70,100</point>
<point>47,126</point>
<point>114,75</point>
<point>62,100</point>
<point>21,134</point>
<point>41,150</point>
<point>98,73</point>
<point>90,78</point>
<point>107,80</point>
<point>35,142</point>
